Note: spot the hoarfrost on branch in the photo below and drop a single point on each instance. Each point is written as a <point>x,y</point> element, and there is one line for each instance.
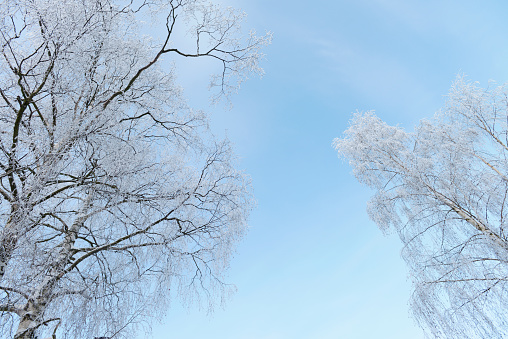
<point>444,189</point>
<point>112,189</point>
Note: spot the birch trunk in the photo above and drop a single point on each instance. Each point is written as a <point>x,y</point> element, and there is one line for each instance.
<point>43,294</point>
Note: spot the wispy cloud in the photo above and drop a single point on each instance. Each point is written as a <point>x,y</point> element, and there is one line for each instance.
<point>375,75</point>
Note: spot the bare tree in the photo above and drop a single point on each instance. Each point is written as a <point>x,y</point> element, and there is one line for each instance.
<point>112,188</point>
<point>444,190</point>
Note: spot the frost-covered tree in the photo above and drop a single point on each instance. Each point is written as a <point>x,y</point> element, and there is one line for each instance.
<point>112,189</point>
<point>444,190</point>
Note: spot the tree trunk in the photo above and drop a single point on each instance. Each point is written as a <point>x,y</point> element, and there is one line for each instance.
<point>28,324</point>
<point>36,305</point>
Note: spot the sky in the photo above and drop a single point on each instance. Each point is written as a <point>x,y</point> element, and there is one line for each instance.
<point>312,264</point>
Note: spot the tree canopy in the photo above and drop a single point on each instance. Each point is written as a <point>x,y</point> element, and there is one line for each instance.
<point>112,189</point>
<point>443,188</point>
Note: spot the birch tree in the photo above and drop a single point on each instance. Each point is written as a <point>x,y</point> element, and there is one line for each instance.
<point>114,195</point>
<point>443,188</point>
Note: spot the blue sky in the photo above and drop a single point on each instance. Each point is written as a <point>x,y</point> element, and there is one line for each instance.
<point>313,265</point>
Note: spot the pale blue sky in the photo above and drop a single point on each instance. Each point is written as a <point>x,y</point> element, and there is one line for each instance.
<point>313,265</point>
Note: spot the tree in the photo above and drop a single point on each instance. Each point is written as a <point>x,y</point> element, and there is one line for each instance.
<point>443,189</point>
<point>112,189</point>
